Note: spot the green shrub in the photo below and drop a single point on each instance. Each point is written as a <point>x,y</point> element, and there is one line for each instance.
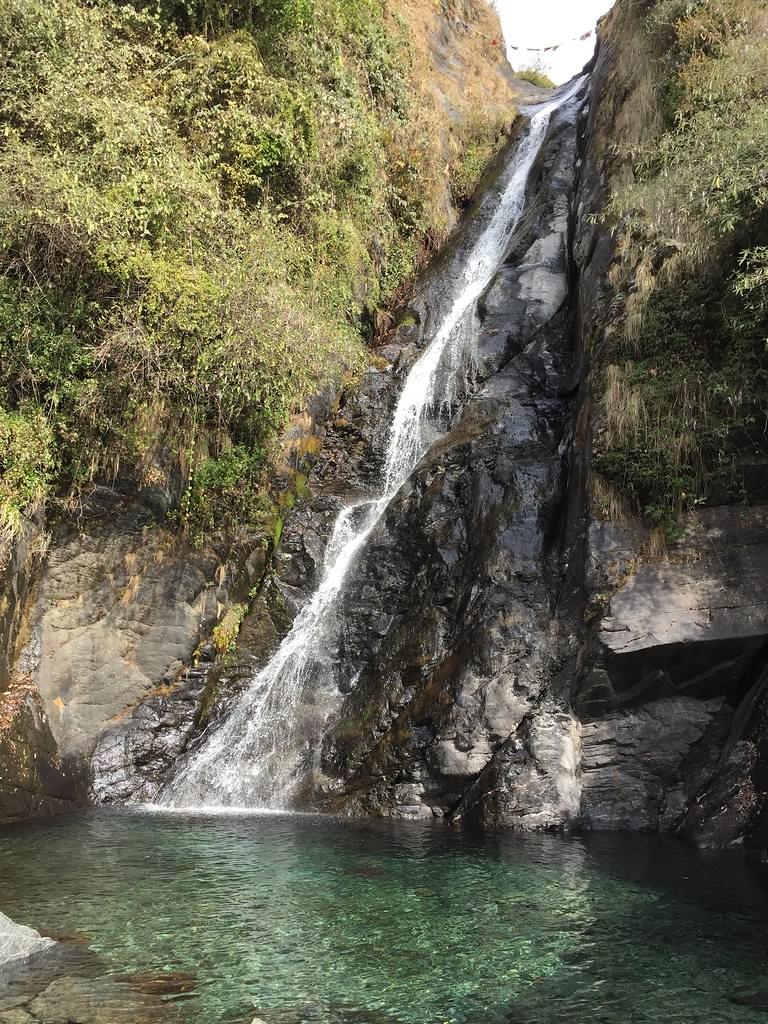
<point>478,143</point>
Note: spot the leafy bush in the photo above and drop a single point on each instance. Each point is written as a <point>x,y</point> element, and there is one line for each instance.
<point>26,461</point>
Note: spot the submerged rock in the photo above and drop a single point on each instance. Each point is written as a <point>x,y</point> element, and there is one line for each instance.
<point>97,1001</point>
<point>160,983</point>
<point>68,938</point>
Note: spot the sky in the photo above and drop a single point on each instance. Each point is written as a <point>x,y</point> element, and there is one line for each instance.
<point>547,23</point>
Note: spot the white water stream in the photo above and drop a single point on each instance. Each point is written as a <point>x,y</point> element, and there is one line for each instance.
<point>258,756</point>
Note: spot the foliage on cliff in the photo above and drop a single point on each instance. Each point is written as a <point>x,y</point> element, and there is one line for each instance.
<point>685,370</point>
<point>197,201</point>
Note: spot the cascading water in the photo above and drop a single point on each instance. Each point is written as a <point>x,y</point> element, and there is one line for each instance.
<point>259,753</point>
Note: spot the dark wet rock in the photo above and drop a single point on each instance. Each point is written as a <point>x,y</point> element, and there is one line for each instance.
<point>449,631</point>
<point>18,565</point>
<point>33,778</point>
<point>630,761</point>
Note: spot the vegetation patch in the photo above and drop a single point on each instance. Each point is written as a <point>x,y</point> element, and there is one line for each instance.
<point>197,201</point>
<point>536,77</point>
<point>684,372</point>
<point>477,143</point>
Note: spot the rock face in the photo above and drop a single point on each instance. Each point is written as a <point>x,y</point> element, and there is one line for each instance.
<point>508,655</point>
<point>712,588</point>
<point>33,779</point>
<point>677,662</point>
<point>116,611</point>
<point>117,614</point>
<point>449,613</point>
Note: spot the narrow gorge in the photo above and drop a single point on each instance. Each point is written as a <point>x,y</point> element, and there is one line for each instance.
<point>485,643</point>
<point>486,592</point>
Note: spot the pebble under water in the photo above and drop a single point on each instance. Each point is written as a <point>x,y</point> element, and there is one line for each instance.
<point>304,919</point>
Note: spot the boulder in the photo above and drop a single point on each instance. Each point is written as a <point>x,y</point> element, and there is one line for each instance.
<point>17,942</point>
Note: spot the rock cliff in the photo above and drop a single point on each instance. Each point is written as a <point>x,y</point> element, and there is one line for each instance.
<point>515,651</point>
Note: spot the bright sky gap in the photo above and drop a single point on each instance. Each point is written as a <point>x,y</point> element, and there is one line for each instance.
<point>551,23</point>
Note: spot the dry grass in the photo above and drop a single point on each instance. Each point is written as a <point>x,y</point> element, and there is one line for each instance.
<point>607,503</point>
<point>625,415</point>
<point>452,93</point>
<point>630,112</point>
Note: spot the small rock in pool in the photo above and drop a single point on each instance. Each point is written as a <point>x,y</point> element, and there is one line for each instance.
<point>160,983</point>
<point>755,1000</point>
<point>365,871</point>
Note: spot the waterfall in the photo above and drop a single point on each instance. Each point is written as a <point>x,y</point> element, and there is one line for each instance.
<point>258,756</point>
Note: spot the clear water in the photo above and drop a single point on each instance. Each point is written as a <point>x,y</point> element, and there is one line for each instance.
<point>304,920</point>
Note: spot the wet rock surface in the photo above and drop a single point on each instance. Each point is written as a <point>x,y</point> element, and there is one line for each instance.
<point>132,758</point>
<point>34,780</point>
<point>449,631</point>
